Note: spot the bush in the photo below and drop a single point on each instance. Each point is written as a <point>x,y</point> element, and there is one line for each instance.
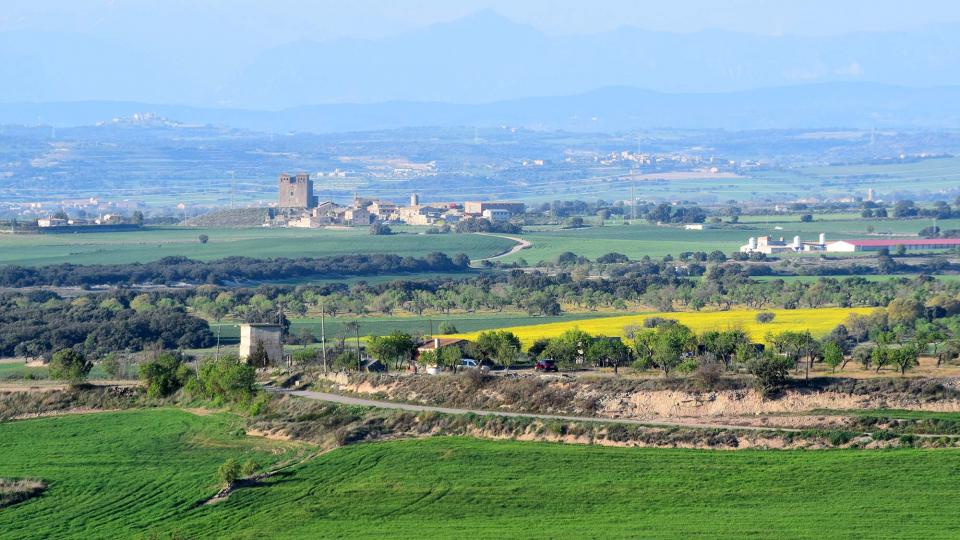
<point>227,379</point>
<point>379,229</point>
<point>769,373</point>
<point>765,317</point>
<point>448,328</point>
<point>165,375</point>
<point>203,238</point>
<point>70,365</point>
<point>229,472</point>
<point>708,374</point>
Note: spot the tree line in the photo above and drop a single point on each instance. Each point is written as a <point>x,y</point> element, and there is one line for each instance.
<point>170,270</point>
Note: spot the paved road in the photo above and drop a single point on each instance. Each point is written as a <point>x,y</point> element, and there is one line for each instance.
<point>348,400</point>
<point>521,244</point>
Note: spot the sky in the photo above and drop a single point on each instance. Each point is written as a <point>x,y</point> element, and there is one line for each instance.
<point>267,23</point>
<point>248,52</point>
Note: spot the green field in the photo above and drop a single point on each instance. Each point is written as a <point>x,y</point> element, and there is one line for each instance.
<point>153,243</point>
<point>141,474</point>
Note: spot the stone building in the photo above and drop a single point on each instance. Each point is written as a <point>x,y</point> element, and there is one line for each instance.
<point>268,334</point>
<point>296,191</point>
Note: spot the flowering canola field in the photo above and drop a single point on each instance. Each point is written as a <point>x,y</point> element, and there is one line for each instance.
<point>818,321</point>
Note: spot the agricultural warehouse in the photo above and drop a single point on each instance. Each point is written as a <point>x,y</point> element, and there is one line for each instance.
<point>849,246</point>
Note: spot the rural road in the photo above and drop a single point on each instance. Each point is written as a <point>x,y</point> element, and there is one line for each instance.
<point>521,244</point>
<point>348,400</point>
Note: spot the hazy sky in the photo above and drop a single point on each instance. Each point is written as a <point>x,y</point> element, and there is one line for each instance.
<point>266,23</point>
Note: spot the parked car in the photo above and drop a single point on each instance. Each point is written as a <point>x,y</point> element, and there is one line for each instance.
<point>545,365</point>
<point>470,363</point>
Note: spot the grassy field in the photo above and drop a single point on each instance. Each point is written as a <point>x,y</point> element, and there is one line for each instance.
<point>140,474</point>
<point>118,474</point>
<point>818,321</point>
<point>153,243</point>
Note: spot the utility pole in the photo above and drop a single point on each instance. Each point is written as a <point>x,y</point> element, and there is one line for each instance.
<point>323,338</point>
<point>217,354</point>
<point>359,361</point>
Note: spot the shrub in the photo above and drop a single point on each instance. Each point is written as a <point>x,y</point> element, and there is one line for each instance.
<point>765,317</point>
<point>346,360</point>
<point>229,472</point>
<point>769,373</point>
<point>708,374</point>
<point>448,328</point>
<point>227,379</point>
<point>248,468</point>
<point>70,365</point>
<point>165,375</point>
<point>203,238</point>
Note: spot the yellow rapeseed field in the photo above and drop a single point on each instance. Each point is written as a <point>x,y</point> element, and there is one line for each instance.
<point>818,321</point>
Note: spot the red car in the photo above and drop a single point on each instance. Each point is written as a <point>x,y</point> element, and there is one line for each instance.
<point>545,365</point>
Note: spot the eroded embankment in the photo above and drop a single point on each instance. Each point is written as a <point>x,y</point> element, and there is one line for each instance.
<point>661,401</point>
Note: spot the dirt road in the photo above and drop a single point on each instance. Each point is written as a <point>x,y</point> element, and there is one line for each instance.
<point>521,244</point>
<point>348,400</point>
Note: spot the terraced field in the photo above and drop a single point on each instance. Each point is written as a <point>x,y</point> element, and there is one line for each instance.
<point>140,474</point>
<point>818,321</point>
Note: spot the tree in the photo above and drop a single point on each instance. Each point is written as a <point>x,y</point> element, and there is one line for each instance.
<point>491,342</point>
<point>203,238</point>
<point>723,344</point>
<point>806,218</point>
<point>904,311</point>
<point>671,344</point>
<point>165,375</point>
<point>770,372</point>
<point>136,218</point>
<point>765,317</point>
<point>396,347</point>
<point>905,357</point>
<point>259,357</point>
<point>449,356</point>
<point>569,348</point>
<point>70,365</point>
<point>609,352</point>
<point>832,355</point>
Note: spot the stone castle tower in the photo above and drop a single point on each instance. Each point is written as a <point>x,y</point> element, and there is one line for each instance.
<point>296,191</point>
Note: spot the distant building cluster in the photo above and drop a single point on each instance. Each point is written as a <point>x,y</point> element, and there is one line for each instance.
<point>301,208</point>
<point>770,246</point>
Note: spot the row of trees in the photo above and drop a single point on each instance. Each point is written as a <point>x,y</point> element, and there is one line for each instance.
<point>171,270</point>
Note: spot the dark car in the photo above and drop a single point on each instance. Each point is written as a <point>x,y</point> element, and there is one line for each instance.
<point>545,365</point>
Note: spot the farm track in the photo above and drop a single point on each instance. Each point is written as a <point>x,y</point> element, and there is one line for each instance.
<point>362,402</point>
<point>521,245</point>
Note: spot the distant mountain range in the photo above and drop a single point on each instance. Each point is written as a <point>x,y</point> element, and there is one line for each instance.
<point>828,105</point>
<point>483,58</point>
